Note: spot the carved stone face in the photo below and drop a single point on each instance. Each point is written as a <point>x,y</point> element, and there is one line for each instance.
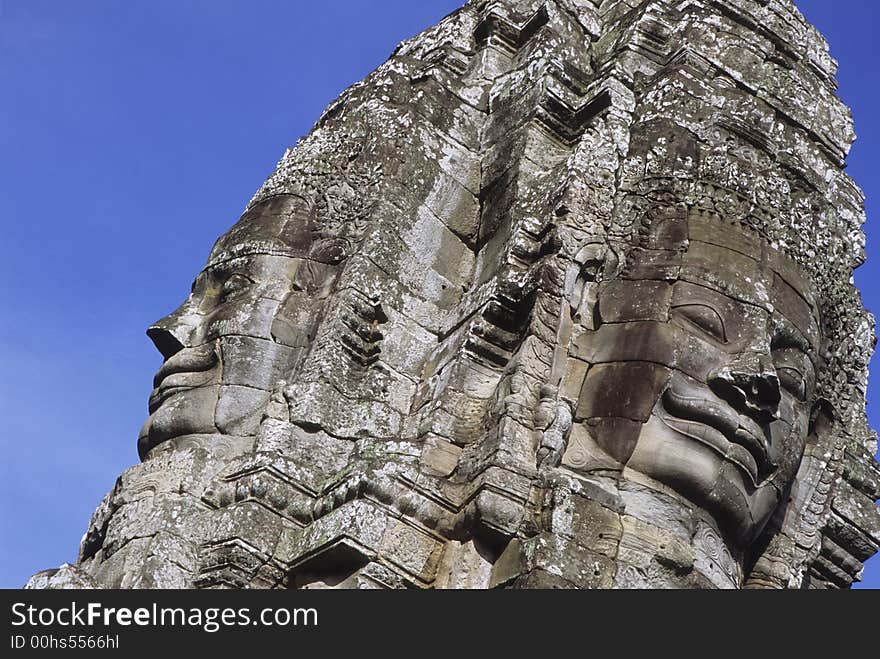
<point>251,314</point>
<point>703,373</point>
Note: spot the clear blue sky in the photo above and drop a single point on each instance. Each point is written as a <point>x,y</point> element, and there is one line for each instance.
<point>132,134</point>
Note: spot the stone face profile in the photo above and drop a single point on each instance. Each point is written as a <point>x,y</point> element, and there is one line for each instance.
<point>251,314</point>
<point>560,296</point>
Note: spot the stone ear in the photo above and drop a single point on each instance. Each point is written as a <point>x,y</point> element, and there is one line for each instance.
<point>613,264</point>
<point>822,421</point>
<point>594,263</point>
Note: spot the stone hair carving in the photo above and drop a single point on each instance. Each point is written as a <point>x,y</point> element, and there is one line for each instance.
<point>558,296</point>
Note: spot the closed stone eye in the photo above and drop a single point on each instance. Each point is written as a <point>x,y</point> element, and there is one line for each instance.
<point>704,317</point>
<point>793,381</point>
<point>233,285</point>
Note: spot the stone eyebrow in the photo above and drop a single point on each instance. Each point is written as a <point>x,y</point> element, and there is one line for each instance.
<point>228,264</point>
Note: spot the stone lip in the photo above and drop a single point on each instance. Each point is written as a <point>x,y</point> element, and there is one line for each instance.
<point>188,369</point>
<point>720,427</point>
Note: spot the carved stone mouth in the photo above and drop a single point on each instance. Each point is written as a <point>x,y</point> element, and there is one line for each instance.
<point>167,390</point>
<point>719,426</point>
<point>191,368</point>
<point>188,360</point>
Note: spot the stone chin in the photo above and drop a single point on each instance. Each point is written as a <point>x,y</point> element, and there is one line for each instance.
<point>189,402</point>
<point>201,414</point>
<point>186,413</point>
<point>716,483</point>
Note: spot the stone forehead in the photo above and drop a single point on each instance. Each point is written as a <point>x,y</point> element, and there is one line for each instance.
<point>251,248</point>
<point>279,223</point>
<point>729,259</point>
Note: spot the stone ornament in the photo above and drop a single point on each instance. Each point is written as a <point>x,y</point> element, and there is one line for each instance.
<point>557,297</point>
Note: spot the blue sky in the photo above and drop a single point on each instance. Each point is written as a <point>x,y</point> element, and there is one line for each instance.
<point>132,134</point>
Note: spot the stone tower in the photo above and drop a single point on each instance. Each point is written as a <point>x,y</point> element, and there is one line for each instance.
<point>559,296</point>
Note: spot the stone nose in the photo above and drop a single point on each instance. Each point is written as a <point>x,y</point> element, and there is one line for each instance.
<point>172,333</point>
<point>751,385</point>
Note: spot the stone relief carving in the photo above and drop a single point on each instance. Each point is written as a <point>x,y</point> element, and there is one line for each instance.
<point>558,296</point>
